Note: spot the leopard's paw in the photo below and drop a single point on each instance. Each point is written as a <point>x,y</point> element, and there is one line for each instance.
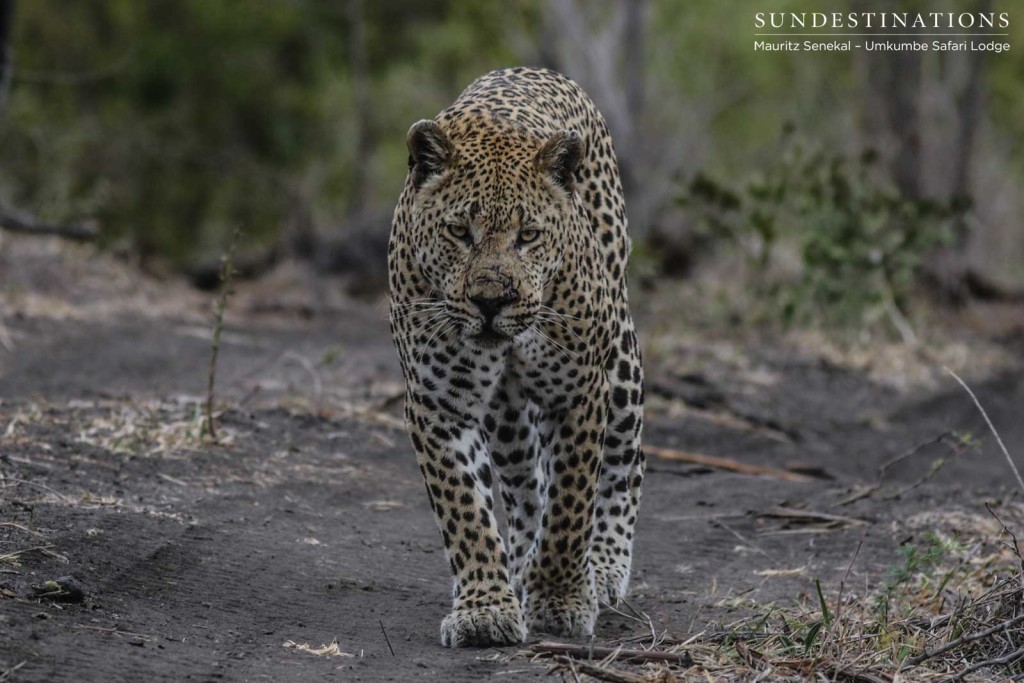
<point>564,615</point>
<point>483,626</point>
<point>611,582</point>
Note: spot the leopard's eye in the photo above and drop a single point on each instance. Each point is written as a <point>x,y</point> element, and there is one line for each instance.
<point>529,235</point>
<point>458,231</point>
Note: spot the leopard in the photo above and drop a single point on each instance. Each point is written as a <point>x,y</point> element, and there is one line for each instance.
<point>508,307</point>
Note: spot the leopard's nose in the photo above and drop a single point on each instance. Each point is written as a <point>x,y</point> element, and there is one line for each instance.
<point>490,307</point>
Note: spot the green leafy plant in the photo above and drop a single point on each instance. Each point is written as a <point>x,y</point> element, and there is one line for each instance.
<point>860,241</point>
<point>915,561</point>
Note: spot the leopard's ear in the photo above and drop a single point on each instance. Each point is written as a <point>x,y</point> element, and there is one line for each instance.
<point>430,151</point>
<point>560,157</point>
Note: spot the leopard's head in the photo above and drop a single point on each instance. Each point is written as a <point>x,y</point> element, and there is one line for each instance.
<point>491,218</point>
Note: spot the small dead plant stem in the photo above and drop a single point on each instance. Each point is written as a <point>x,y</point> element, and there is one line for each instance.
<point>227,273</point>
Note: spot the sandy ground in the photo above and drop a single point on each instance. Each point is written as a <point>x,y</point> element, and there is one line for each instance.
<point>307,524</point>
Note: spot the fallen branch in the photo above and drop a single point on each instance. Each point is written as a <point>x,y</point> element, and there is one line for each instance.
<point>21,527</point>
<point>839,673</point>
<point>724,464</point>
<point>43,487</point>
<point>19,221</point>
<point>114,631</point>
<point>810,516</point>
<point>1005,659</point>
<point>17,553</point>
<point>583,652</point>
<point>601,673</point>
<point>809,667</point>
<point>715,408</point>
<point>962,640</point>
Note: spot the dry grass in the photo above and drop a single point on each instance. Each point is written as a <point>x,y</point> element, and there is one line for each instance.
<point>99,435</point>
<point>329,650</point>
<point>61,280</point>
<point>147,427</point>
<point>951,607</point>
<point>713,322</point>
<point>945,608</point>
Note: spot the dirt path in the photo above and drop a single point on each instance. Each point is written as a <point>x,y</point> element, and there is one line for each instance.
<point>310,524</point>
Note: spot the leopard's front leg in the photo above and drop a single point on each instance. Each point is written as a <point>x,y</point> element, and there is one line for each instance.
<point>515,445</point>
<point>559,582</point>
<point>453,459</point>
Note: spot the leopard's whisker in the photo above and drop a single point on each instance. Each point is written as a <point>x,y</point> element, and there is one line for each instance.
<point>561,323</point>
<point>569,354</point>
<point>416,312</point>
<point>415,302</point>
<point>437,316</point>
<point>545,307</point>
<point>444,329</point>
<point>421,299</point>
<point>432,312</point>
<point>418,305</point>
<point>427,328</point>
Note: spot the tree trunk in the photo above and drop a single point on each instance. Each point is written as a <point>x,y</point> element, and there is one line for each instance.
<point>361,96</point>
<point>969,105</point>
<point>897,84</point>
<point>6,28</point>
<point>948,267</point>
<point>893,83</point>
<point>633,74</point>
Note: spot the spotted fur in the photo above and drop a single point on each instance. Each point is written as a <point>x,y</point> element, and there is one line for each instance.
<point>507,268</point>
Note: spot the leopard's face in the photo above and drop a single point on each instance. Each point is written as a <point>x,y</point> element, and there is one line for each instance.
<point>490,230</point>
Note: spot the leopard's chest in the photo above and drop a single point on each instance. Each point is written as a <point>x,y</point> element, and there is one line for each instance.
<point>462,378</point>
<point>548,373</point>
<point>458,377</point>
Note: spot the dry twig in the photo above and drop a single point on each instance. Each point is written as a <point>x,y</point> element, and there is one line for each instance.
<point>724,464</point>
<point>962,640</point>
<point>42,487</point>
<point>991,427</point>
<point>601,673</point>
<point>743,539</point>
<point>388,640</point>
<point>227,272</point>
<point>9,672</point>
<point>995,661</point>
<point>17,553</point>
<point>584,652</point>
<point>809,521</point>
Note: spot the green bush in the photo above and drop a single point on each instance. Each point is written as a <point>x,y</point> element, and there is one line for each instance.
<point>860,242</point>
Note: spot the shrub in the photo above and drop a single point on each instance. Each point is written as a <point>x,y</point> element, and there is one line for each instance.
<point>860,241</point>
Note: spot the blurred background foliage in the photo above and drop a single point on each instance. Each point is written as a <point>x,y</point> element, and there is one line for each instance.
<point>173,122</point>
